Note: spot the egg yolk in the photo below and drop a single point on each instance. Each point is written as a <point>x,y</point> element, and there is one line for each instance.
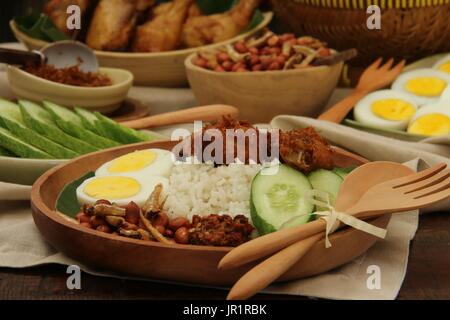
<point>445,67</point>
<point>393,109</point>
<point>132,162</point>
<point>112,188</point>
<point>433,124</point>
<point>426,86</point>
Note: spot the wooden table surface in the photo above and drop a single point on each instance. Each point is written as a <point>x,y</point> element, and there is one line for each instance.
<point>428,276</point>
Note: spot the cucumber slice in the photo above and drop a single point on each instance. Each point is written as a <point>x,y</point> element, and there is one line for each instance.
<point>88,120</point>
<point>11,119</point>
<point>40,121</point>
<point>277,198</point>
<point>117,132</point>
<point>343,172</point>
<point>35,139</point>
<point>11,111</point>
<point>71,124</point>
<point>6,153</point>
<point>328,181</point>
<point>11,142</point>
<point>58,112</point>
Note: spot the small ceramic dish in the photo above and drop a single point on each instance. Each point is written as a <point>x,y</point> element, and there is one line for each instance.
<point>161,69</point>
<point>104,99</point>
<point>262,95</point>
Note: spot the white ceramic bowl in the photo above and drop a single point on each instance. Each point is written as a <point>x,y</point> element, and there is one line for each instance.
<point>104,99</point>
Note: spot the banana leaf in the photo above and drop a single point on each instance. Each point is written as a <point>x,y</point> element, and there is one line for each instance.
<point>67,202</point>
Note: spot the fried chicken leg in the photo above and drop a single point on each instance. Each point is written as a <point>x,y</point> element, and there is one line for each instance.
<point>202,30</point>
<point>57,11</point>
<point>306,150</point>
<point>162,33</point>
<point>114,22</point>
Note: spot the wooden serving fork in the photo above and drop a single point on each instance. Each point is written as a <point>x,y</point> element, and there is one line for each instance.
<point>399,195</point>
<point>375,77</point>
<point>416,190</point>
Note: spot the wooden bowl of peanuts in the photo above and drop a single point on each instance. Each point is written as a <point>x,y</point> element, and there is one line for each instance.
<point>265,76</point>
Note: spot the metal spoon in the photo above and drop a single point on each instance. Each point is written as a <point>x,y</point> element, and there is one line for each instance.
<point>61,54</point>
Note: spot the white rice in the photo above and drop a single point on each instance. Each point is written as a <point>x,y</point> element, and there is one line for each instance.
<point>202,189</point>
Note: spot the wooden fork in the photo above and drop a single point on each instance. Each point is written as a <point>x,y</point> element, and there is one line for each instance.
<point>375,77</point>
<point>418,190</point>
<point>399,195</point>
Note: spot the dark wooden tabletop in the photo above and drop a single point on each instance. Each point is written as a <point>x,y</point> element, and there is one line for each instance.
<point>427,277</point>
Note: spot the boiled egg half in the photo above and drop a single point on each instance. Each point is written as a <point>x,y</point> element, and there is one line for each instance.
<point>425,85</point>
<point>443,64</point>
<point>140,164</point>
<point>120,190</point>
<point>431,120</point>
<point>386,109</point>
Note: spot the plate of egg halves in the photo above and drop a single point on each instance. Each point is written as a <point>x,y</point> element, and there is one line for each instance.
<point>416,107</point>
<point>131,177</point>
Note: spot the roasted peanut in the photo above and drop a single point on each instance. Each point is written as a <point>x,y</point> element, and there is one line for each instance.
<point>82,217</point>
<point>200,62</point>
<point>169,233</point>
<point>177,223</point>
<point>161,229</point>
<point>182,235</point>
<point>240,47</point>
<point>104,228</point>
<point>222,57</point>
<point>129,226</point>
<point>160,220</point>
<point>132,212</point>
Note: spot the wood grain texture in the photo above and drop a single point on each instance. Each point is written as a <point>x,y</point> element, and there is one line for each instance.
<point>297,91</point>
<point>138,258</point>
<point>427,277</point>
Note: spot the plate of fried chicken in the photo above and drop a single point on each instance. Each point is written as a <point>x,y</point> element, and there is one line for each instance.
<point>150,39</point>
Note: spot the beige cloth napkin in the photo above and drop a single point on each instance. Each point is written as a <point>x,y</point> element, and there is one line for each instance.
<point>21,245</point>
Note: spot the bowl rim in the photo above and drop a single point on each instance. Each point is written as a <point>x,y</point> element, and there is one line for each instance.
<point>129,78</point>
<point>191,66</point>
<point>34,160</point>
<point>267,17</point>
<point>38,204</point>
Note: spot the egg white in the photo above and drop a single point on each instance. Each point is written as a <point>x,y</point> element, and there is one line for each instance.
<point>441,107</point>
<point>446,95</point>
<point>442,61</point>
<point>147,186</point>
<point>363,111</point>
<point>400,82</point>
<point>162,166</point>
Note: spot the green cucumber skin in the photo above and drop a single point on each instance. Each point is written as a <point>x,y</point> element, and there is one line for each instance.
<point>343,172</point>
<point>258,219</point>
<point>87,124</point>
<point>118,132</point>
<point>260,224</point>
<point>38,141</point>
<point>62,113</point>
<point>86,135</point>
<point>6,153</point>
<point>10,142</point>
<point>53,133</point>
<point>327,181</point>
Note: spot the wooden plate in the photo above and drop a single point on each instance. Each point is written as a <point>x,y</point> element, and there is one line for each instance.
<point>181,263</point>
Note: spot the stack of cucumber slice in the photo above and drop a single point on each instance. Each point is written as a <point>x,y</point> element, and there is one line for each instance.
<point>50,131</point>
<point>278,199</point>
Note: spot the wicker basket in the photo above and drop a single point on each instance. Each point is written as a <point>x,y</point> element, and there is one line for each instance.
<point>410,29</point>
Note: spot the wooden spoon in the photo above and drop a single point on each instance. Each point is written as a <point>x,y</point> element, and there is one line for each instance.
<point>205,113</point>
<point>274,267</point>
<point>353,187</point>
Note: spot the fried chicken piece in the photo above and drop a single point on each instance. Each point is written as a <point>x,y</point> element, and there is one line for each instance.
<point>113,23</point>
<point>306,150</point>
<point>162,33</point>
<point>57,11</point>
<point>202,30</point>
